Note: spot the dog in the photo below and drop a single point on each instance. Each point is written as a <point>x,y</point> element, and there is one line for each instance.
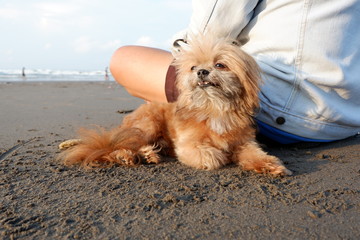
<point>209,126</point>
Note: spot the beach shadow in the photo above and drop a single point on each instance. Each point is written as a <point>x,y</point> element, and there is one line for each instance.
<point>305,158</point>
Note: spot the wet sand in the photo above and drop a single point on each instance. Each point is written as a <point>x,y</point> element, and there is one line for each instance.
<point>42,199</point>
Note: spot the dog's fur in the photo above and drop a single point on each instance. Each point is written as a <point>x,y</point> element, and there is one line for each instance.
<point>210,125</point>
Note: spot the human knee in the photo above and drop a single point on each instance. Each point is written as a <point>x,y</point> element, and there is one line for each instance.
<point>137,68</point>
<point>118,64</point>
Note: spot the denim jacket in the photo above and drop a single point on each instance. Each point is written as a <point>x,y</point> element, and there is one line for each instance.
<point>309,54</point>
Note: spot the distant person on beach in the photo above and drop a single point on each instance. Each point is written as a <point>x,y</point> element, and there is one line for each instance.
<point>23,72</point>
<point>106,74</point>
<point>308,51</point>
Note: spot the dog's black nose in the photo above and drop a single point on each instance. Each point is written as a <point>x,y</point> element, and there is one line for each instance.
<point>202,73</point>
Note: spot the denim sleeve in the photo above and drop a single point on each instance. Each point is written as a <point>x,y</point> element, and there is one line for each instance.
<point>221,17</point>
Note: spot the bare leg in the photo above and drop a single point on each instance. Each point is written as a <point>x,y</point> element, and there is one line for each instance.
<point>142,71</point>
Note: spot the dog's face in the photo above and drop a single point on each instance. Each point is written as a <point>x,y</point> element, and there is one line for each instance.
<point>213,79</point>
<point>215,74</point>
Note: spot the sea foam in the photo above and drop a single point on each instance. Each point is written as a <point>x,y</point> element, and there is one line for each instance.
<point>53,75</point>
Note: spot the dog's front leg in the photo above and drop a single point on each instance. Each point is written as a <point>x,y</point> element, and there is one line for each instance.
<point>201,156</point>
<point>251,157</point>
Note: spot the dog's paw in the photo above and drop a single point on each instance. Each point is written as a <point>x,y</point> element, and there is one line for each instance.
<point>125,157</point>
<point>278,170</point>
<point>252,158</point>
<point>149,153</point>
<point>273,166</point>
<point>69,143</point>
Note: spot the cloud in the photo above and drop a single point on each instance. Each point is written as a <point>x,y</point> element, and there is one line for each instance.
<point>61,17</point>
<point>53,9</point>
<point>78,29</point>
<point>84,44</point>
<point>9,52</point>
<point>7,55</point>
<point>49,17</point>
<point>179,5</point>
<point>47,46</point>
<point>84,21</point>
<point>9,13</point>
<point>145,41</point>
<point>110,45</point>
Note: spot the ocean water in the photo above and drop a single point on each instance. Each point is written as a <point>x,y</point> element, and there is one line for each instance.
<point>9,75</point>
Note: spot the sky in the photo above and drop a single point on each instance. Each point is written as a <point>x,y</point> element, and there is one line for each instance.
<point>83,34</point>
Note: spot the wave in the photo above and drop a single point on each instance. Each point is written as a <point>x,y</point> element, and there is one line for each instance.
<point>53,75</point>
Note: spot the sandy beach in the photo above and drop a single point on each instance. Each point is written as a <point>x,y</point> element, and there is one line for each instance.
<point>42,199</point>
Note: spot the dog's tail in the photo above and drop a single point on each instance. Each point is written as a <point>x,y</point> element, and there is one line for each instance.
<point>101,148</point>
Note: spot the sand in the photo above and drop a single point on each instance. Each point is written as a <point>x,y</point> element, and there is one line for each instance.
<point>42,199</point>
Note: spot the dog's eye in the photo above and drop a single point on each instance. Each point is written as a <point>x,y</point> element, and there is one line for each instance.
<point>220,66</point>
<point>193,68</point>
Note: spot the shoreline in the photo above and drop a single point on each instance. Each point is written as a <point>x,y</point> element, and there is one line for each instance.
<point>42,199</point>
<point>56,81</point>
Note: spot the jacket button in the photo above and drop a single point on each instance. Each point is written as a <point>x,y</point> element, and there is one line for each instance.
<point>280,120</point>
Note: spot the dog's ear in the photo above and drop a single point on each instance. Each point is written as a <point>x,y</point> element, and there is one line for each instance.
<point>178,46</point>
<point>250,75</point>
<point>178,43</point>
<point>236,43</point>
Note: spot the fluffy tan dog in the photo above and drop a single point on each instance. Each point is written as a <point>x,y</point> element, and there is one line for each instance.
<point>211,124</point>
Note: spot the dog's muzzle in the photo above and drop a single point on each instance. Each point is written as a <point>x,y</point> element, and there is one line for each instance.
<point>203,80</point>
